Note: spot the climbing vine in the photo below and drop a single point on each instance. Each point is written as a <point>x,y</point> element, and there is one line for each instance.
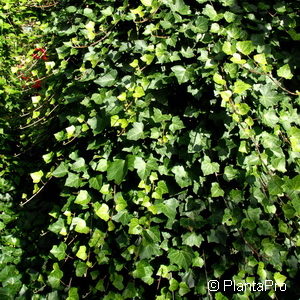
<point>149,147</point>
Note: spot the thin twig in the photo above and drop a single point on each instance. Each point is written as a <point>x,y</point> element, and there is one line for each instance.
<point>34,195</point>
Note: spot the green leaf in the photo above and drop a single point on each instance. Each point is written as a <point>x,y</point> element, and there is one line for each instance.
<point>218,79</point>
<point>177,124</point>
<point>81,253</point>
<point>168,208</point>
<point>216,190</point>
<point>137,132</point>
<point>147,58</point>
<point>102,211</point>
<point>138,92</point>
<point>265,228</point>
<point>134,226</point>
<point>192,239</point>
<point>48,157</point>
<point>108,79</point>
<point>140,165</point>
<point>294,135</point>
<point>80,268</point>
<point>240,87</point>
<point>73,180</point>
<point>279,279</point>
<point>181,176</point>
<point>269,96</point>
<point>37,176</point>
<point>80,225</point>
<point>96,182</point>
<point>242,108</point>
<point>182,74</point>
<point>183,258</point>
<point>73,294</point>
<point>143,271</point>
<point>237,59</point>
<point>183,288</point>
<point>116,171</point>
<point>79,165</point>
<point>285,72</point>
<point>88,12</point>
<point>209,167</point>
<point>61,170</point>
<point>55,276</point>
<point>83,198</point>
<point>201,24</point>
<point>149,249</point>
<point>59,251</point>
<point>58,227</point>
<point>245,47</point>
<point>146,2</point>
<point>228,48</point>
<point>230,173</point>
<point>181,7</point>
<point>173,285</point>
<point>260,58</point>
<point>275,185</point>
<point>210,12</point>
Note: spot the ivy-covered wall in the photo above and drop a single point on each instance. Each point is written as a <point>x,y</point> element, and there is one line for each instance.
<point>149,147</point>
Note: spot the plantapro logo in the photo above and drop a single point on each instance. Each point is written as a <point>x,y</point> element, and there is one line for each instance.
<point>240,286</point>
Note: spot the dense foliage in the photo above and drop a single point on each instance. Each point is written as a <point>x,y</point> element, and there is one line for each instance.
<point>148,147</point>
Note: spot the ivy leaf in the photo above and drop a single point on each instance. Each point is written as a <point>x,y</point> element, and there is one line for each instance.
<point>149,249</point>
<point>228,48</point>
<point>269,97</point>
<point>81,253</point>
<point>134,226</point>
<point>37,176</point>
<point>245,47</point>
<point>209,167</point>
<point>102,211</point>
<point>61,170</point>
<point>73,294</point>
<point>177,124</point>
<point>260,58</point>
<point>80,225</point>
<point>108,79</point>
<point>143,271</point>
<point>96,182</point>
<point>279,279</point>
<point>216,190</point>
<point>240,87</point>
<point>73,180</point>
<point>55,276</point>
<point>192,239</point>
<point>182,74</point>
<point>147,2</point>
<point>181,7</point>
<point>116,171</point>
<point>210,12</point>
<point>59,251</point>
<point>181,176</point>
<point>168,208</point>
<point>83,198</point>
<point>58,227</point>
<point>140,165</point>
<point>137,132</point>
<point>218,79</point>
<point>183,258</point>
<point>285,72</point>
<point>138,92</point>
<point>294,135</point>
<point>201,24</point>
